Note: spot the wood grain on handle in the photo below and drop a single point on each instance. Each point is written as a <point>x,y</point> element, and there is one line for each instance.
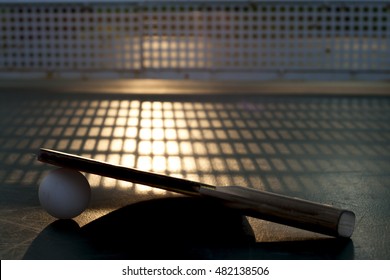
<point>286,210</point>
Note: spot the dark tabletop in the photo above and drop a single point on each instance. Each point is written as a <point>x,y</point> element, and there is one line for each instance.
<point>326,148</point>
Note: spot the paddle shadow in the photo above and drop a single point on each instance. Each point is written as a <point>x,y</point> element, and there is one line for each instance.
<point>174,228</point>
<point>169,228</point>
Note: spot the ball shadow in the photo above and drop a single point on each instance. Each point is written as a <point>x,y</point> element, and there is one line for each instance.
<point>169,228</point>
<point>174,228</point>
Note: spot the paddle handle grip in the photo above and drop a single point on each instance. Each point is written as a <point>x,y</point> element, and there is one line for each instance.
<point>286,210</point>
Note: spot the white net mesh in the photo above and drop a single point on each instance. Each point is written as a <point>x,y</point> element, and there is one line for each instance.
<point>219,35</point>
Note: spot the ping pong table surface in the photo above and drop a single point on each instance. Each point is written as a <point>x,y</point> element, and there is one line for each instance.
<point>323,142</point>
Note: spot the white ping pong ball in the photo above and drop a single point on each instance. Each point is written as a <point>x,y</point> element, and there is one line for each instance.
<point>64,193</point>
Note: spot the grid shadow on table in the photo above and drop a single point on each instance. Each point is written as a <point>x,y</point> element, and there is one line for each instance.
<point>327,149</point>
<point>270,143</point>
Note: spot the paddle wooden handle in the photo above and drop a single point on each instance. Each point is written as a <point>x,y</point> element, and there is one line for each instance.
<point>286,210</point>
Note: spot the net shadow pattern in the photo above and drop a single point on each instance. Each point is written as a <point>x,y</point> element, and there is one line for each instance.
<point>281,144</point>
